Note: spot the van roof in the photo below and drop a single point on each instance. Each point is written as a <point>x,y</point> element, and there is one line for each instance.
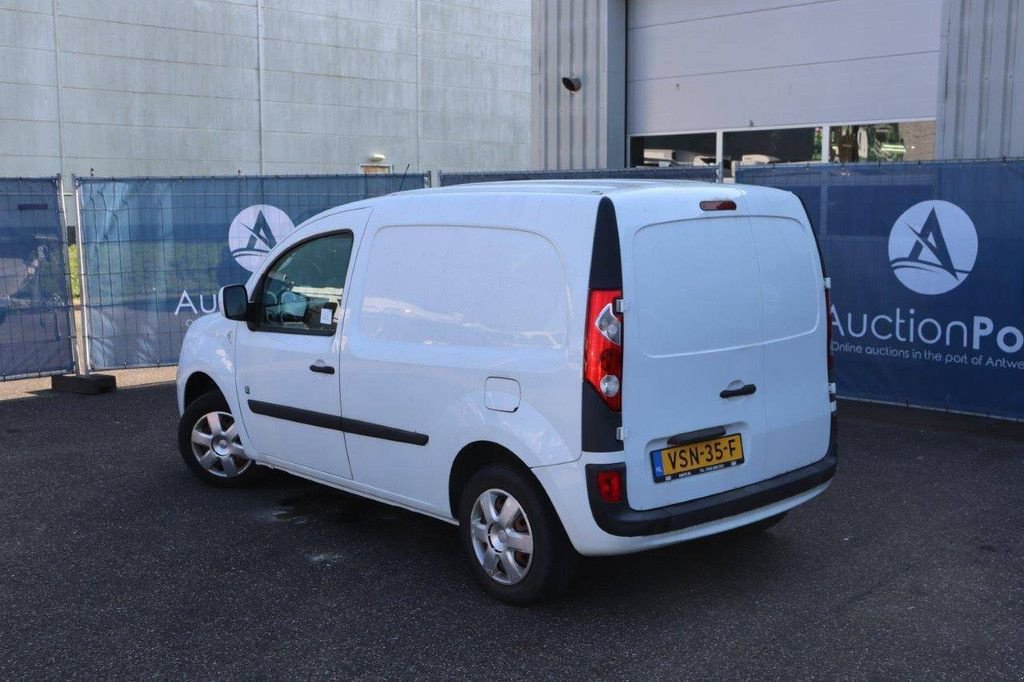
<point>635,200</point>
<point>584,186</point>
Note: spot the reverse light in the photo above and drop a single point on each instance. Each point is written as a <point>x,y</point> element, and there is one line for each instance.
<point>602,355</point>
<point>609,485</point>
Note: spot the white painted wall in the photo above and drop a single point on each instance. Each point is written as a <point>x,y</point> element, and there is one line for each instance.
<point>720,64</point>
<point>197,87</point>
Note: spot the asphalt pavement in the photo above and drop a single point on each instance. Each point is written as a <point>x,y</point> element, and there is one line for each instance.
<point>115,562</point>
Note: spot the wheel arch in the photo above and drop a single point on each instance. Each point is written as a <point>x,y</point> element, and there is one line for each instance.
<point>474,457</point>
<point>198,383</point>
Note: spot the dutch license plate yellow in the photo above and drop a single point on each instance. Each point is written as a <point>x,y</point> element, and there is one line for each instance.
<point>680,461</point>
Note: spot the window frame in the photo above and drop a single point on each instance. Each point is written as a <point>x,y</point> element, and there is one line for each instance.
<point>256,300</point>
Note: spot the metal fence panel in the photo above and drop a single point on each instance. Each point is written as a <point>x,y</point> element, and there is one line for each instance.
<point>156,250</point>
<point>35,305</point>
<point>705,173</point>
<point>927,267</point>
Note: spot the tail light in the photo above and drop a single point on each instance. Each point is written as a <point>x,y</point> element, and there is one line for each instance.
<point>609,485</point>
<point>602,354</point>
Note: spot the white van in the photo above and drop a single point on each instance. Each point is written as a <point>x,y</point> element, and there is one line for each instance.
<point>580,367</point>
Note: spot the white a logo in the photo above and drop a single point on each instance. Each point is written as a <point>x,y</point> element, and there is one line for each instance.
<point>255,231</point>
<point>932,247</point>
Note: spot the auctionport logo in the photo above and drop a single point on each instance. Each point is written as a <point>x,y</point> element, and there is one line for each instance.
<point>252,234</point>
<point>255,231</point>
<point>932,247</point>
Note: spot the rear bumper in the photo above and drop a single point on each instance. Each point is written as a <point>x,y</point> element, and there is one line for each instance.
<point>619,519</point>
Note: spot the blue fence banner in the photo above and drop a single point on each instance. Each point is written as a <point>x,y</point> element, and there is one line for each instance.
<point>35,320</point>
<point>157,250</point>
<point>705,173</point>
<point>927,268</point>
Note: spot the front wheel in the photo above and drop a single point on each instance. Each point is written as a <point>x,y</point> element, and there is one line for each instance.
<point>210,445</point>
<point>512,537</point>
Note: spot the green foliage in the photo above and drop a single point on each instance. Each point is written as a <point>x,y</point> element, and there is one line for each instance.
<point>146,271</point>
<point>76,280</point>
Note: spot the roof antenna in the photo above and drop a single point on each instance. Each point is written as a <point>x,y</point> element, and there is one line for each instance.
<point>402,183</point>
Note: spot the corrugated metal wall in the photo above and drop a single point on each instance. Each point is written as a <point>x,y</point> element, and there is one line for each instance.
<point>582,39</point>
<point>981,107</point>
<point>731,64</point>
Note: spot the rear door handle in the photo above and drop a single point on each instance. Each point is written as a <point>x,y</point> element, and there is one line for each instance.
<point>735,392</point>
<point>322,369</point>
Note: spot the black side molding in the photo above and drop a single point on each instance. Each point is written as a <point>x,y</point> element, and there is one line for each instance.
<point>618,518</point>
<point>338,423</point>
<point>600,423</point>
<point>606,257</point>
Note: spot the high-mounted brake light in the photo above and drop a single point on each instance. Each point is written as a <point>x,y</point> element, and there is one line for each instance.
<point>718,205</point>
<point>602,354</point>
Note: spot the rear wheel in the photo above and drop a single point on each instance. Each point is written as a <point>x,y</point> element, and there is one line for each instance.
<point>512,538</point>
<point>210,445</point>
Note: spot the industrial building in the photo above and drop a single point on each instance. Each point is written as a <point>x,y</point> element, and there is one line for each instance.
<point>662,82</point>
<point>214,87</point>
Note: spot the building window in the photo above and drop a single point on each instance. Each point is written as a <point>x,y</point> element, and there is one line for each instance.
<point>912,141</point>
<point>908,141</point>
<point>784,145</point>
<point>673,150</point>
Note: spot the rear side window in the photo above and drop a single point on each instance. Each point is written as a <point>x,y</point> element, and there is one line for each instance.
<point>464,286</point>
<point>301,292</point>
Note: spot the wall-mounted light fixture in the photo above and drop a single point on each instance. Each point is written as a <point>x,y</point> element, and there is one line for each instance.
<point>377,157</point>
<point>571,83</point>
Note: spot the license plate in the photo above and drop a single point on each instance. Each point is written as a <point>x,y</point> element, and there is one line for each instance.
<point>680,461</point>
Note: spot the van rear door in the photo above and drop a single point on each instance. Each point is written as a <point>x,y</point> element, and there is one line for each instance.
<point>723,337</point>
<point>796,401</point>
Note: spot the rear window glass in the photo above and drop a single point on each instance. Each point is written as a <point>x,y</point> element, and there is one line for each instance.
<point>716,283</point>
<point>697,286</point>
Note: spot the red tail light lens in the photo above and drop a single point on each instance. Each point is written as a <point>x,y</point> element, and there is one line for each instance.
<point>602,354</point>
<point>609,485</point>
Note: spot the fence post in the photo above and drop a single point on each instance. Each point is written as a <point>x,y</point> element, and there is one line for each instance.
<point>65,246</point>
<point>83,381</point>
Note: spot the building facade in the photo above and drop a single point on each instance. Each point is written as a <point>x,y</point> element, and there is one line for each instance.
<point>756,81</point>
<point>214,87</point>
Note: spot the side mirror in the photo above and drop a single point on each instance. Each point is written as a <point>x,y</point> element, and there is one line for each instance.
<point>234,302</point>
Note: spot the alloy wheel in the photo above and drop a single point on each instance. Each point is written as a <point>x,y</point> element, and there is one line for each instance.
<point>217,447</point>
<point>502,537</point>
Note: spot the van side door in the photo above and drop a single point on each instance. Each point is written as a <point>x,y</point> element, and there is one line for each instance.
<point>287,354</point>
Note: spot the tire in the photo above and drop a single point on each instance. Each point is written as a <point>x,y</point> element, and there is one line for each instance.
<point>495,541</point>
<point>758,527</point>
<point>210,445</point>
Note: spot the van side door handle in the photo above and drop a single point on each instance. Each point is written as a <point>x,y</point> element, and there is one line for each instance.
<point>735,392</point>
<point>322,369</point>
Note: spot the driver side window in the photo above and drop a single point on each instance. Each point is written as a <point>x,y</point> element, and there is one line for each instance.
<point>301,292</point>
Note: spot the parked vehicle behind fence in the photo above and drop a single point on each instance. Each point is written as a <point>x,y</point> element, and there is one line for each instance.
<point>561,368</point>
